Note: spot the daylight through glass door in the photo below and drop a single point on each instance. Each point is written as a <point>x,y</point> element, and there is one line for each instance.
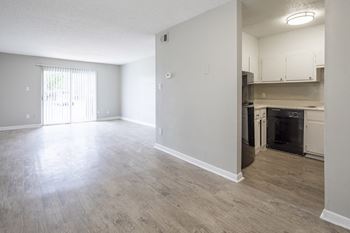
<point>69,95</point>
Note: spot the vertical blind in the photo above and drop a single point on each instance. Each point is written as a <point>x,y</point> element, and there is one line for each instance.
<point>69,95</point>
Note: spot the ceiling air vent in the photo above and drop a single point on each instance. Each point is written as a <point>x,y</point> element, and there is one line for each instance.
<point>164,38</point>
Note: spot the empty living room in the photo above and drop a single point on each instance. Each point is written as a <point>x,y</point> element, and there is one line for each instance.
<point>215,116</point>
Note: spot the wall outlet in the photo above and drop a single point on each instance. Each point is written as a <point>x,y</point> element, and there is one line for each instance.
<point>27,89</point>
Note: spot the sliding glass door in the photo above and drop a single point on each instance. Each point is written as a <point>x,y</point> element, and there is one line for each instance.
<point>83,96</point>
<point>56,96</point>
<point>69,95</point>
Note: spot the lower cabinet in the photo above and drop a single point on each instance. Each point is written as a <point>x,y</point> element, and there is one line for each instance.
<point>314,134</point>
<point>260,129</point>
<point>264,132</point>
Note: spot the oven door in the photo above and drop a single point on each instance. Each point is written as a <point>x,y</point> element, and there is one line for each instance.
<point>286,130</point>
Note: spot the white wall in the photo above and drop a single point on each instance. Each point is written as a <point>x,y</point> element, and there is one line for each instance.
<point>18,72</point>
<point>306,39</point>
<point>138,91</point>
<point>337,95</point>
<point>199,109</point>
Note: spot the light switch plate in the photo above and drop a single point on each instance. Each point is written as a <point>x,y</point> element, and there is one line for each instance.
<point>160,86</point>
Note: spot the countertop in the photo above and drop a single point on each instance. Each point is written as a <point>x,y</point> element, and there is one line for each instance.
<point>289,104</point>
<point>316,108</point>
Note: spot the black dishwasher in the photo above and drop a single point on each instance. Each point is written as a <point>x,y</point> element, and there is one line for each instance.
<point>285,130</point>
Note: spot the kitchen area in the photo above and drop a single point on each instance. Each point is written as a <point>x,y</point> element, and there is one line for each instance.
<point>283,87</point>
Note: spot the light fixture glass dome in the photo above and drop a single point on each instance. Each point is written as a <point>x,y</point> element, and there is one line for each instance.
<point>301,18</point>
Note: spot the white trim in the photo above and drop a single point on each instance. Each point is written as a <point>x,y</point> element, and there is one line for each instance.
<point>109,118</point>
<point>16,127</point>
<point>206,166</point>
<point>137,122</point>
<point>336,219</point>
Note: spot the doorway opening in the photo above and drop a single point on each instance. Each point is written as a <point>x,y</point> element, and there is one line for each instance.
<point>283,108</point>
<point>69,95</point>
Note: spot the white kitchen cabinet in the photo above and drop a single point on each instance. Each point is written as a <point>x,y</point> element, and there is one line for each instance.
<point>260,125</point>
<point>296,67</point>
<point>292,56</point>
<point>320,58</point>
<point>245,62</point>
<point>254,68</point>
<point>314,134</point>
<point>263,133</point>
<point>251,64</point>
<point>257,126</point>
<point>273,69</point>
<point>300,67</point>
<point>250,55</point>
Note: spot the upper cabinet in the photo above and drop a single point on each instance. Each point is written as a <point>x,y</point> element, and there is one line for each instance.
<point>320,58</point>
<point>245,62</point>
<point>250,55</point>
<point>300,67</point>
<point>290,57</point>
<point>254,67</point>
<point>273,69</point>
<point>295,67</point>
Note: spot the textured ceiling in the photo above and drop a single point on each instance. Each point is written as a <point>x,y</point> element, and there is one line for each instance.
<point>105,31</point>
<point>266,17</point>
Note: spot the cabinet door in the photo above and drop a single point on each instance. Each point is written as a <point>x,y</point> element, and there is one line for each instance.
<point>314,137</point>
<point>257,134</point>
<point>273,69</point>
<point>254,68</point>
<point>300,67</point>
<point>320,58</point>
<point>263,132</point>
<point>245,62</point>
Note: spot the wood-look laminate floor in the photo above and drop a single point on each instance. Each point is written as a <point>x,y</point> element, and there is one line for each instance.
<point>107,177</point>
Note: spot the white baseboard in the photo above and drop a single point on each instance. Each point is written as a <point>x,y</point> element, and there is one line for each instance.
<point>17,127</point>
<point>137,122</point>
<point>109,118</point>
<point>336,219</point>
<point>206,166</point>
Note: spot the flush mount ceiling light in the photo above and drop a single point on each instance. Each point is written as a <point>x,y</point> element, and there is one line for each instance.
<point>301,18</point>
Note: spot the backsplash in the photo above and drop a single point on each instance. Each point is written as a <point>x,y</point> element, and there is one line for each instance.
<point>291,91</point>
